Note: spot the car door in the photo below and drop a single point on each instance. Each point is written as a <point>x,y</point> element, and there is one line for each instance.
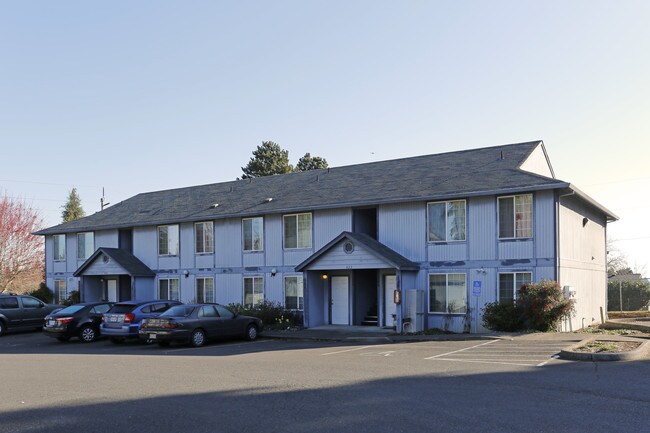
<point>10,309</point>
<point>210,321</point>
<point>33,312</point>
<point>232,326</point>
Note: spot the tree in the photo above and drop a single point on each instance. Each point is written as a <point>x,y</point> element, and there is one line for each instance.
<point>21,252</point>
<point>72,209</point>
<point>616,260</point>
<point>307,163</point>
<point>268,159</point>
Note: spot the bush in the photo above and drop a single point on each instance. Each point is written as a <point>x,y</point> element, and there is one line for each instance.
<point>43,293</point>
<point>73,298</point>
<point>504,317</point>
<point>539,307</point>
<point>272,314</point>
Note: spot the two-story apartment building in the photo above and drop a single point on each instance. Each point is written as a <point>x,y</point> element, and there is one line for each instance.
<point>417,242</point>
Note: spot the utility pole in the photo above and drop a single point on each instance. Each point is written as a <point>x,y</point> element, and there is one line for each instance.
<point>102,201</point>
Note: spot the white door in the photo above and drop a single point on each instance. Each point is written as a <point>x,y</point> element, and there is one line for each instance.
<point>111,287</point>
<point>390,284</point>
<point>340,301</point>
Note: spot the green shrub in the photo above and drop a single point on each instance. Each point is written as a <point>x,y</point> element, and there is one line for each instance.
<point>504,317</point>
<point>543,305</point>
<point>272,314</point>
<point>73,298</point>
<point>43,293</point>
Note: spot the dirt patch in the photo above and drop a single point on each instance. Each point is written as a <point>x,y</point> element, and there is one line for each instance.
<point>627,314</point>
<point>604,346</point>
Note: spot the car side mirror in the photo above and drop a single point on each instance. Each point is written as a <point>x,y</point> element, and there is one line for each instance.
<point>41,305</point>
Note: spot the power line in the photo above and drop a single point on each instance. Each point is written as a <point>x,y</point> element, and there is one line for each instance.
<point>49,183</point>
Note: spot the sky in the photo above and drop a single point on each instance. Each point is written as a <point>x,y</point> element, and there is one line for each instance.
<point>131,97</point>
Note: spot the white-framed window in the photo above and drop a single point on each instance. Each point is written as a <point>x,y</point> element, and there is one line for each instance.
<point>204,237</point>
<point>253,234</point>
<point>510,282</point>
<point>447,220</point>
<point>205,289</point>
<point>448,293</point>
<point>253,290</point>
<point>294,293</point>
<point>168,244</point>
<point>516,216</point>
<point>59,247</point>
<point>169,288</point>
<point>60,290</point>
<point>297,231</point>
<point>85,245</point>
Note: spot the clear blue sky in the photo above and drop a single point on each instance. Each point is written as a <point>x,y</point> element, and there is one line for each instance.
<point>149,95</point>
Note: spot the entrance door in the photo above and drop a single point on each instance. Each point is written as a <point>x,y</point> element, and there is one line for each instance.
<point>111,288</point>
<point>390,284</point>
<point>340,301</point>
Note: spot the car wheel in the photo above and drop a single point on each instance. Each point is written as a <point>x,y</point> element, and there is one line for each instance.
<point>251,332</point>
<point>163,343</point>
<point>117,340</point>
<point>2,327</point>
<point>87,334</point>
<point>63,339</point>
<point>198,338</point>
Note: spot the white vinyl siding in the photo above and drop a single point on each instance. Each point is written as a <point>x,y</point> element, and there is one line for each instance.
<point>204,238</point>
<point>59,247</point>
<point>516,216</point>
<point>448,293</point>
<point>85,245</point>
<point>168,240</point>
<point>253,290</point>
<point>447,221</point>
<point>205,289</point>
<point>169,288</point>
<point>297,231</point>
<point>253,234</point>
<point>293,293</point>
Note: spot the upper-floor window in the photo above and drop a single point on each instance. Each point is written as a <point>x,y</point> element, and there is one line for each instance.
<point>168,240</point>
<point>516,216</point>
<point>85,245</point>
<point>447,221</point>
<point>293,293</point>
<point>59,247</point>
<point>448,293</point>
<point>509,283</point>
<point>169,288</point>
<point>297,230</point>
<point>204,238</point>
<point>253,290</point>
<point>253,233</point>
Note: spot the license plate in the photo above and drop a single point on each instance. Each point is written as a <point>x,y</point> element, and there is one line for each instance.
<point>152,336</point>
<point>51,323</point>
<point>113,319</point>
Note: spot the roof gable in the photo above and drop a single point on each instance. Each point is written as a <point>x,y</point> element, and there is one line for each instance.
<point>538,162</point>
<point>114,261</point>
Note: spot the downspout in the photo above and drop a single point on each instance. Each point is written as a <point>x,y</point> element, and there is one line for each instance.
<point>557,241</point>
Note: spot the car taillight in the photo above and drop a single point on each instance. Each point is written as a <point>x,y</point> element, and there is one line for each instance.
<point>103,318</point>
<point>65,320</point>
<point>129,317</point>
<point>170,325</point>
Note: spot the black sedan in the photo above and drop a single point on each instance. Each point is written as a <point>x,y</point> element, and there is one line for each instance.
<point>78,320</point>
<point>198,323</point>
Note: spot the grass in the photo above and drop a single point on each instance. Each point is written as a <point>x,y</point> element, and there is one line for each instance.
<point>599,346</point>
<point>596,330</point>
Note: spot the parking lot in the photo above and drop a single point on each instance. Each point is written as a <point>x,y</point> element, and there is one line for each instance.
<point>276,385</point>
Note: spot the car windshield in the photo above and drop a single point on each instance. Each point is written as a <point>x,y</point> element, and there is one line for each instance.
<point>71,309</point>
<point>178,311</point>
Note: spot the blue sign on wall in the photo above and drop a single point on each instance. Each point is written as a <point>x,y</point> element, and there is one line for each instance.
<point>476,290</point>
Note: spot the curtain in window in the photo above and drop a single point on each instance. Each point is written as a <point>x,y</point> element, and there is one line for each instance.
<point>437,227</point>
<point>437,293</point>
<point>456,221</point>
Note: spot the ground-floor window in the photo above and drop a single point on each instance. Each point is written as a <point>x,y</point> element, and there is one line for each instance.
<point>60,290</point>
<point>169,288</point>
<point>204,289</point>
<point>253,290</point>
<point>448,293</point>
<point>293,293</point>
<point>509,283</point>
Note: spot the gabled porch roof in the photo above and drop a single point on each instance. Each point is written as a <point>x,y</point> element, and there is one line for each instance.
<point>119,262</point>
<point>369,245</point>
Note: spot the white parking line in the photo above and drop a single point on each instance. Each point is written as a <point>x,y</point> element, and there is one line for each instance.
<point>462,350</point>
<point>351,350</point>
<point>478,361</point>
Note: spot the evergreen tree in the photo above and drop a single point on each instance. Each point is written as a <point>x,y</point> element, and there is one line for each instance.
<point>72,209</point>
<point>308,163</point>
<point>267,159</point>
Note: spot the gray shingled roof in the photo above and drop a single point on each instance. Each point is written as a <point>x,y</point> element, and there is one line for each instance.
<point>131,264</point>
<point>380,250</point>
<point>447,175</point>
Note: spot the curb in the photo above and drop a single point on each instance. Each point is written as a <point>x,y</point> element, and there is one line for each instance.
<point>570,353</point>
<point>389,338</point>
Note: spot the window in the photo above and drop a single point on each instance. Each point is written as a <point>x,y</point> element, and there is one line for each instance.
<point>204,289</point>
<point>59,247</point>
<point>516,216</point>
<point>29,302</point>
<point>168,240</point>
<point>8,303</point>
<point>100,309</point>
<point>85,245</point>
<point>253,233</point>
<point>509,283</point>
<point>447,221</point>
<point>448,293</point>
<point>60,290</point>
<point>253,290</point>
<point>224,313</point>
<point>297,231</point>
<point>208,311</point>
<point>204,235</point>
<point>293,293</point>
<point>169,289</point>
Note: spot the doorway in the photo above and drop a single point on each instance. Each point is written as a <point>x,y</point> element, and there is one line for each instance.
<point>111,290</point>
<point>340,300</point>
